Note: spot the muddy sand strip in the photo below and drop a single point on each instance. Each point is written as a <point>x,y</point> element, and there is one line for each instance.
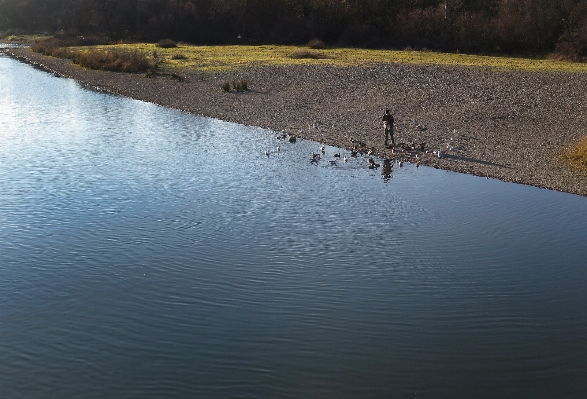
<point>507,125</point>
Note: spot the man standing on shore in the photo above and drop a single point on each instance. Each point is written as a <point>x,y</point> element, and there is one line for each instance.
<point>388,126</point>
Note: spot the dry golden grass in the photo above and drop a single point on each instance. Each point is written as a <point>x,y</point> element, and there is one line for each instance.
<point>218,58</point>
<point>113,60</point>
<point>577,155</point>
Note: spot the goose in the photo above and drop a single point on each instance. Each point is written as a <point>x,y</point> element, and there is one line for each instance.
<point>278,148</point>
<point>337,155</point>
<point>400,163</point>
<point>322,149</point>
<point>345,159</point>
<point>266,153</point>
<point>372,164</point>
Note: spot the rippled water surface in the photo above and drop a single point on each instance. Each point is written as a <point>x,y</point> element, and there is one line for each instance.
<point>149,253</point>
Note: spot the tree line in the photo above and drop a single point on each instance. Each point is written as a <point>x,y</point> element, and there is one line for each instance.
<point>482,26</point>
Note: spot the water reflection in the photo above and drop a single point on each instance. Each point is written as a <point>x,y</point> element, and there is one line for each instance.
<point>386,170</point>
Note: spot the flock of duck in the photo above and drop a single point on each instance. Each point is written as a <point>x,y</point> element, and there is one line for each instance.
<point>417,151</point>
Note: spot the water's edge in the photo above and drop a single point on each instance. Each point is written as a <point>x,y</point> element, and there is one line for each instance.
<point>565,184</point>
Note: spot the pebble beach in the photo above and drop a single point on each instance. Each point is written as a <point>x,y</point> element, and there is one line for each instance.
<point>506,125</point>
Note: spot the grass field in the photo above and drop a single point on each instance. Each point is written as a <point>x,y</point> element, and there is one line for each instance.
<point>218,58</point>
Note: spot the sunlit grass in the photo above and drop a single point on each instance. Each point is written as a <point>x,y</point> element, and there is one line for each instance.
<point>577,155</point>
<point>219,58</point>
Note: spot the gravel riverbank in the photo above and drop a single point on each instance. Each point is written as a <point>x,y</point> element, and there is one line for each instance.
<point>508,125</point>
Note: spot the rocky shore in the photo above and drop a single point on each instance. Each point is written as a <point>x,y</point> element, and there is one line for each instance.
<point>507,125</point>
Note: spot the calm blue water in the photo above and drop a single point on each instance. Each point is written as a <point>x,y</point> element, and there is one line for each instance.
<point>149,253</point>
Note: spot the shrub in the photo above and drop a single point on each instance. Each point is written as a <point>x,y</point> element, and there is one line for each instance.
<point>45,46</point>
<point>52,48</point>
<point>307,54</point>
<point>237,85</point>
<point>166,43</point>
<point>113,60</point>
<point>572,46</point>
<point>240,85</point>
<point>316,44</point>
<point>63,52</point>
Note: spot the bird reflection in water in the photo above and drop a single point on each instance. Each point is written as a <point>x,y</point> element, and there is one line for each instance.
<point>386,170</point>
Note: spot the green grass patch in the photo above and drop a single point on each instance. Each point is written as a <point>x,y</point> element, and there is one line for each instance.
<point>223,58</point>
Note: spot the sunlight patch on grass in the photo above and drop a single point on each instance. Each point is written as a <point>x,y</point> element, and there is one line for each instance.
<point>219,58</point>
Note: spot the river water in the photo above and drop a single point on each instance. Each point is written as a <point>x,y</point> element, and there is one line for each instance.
<point>149,253</point>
